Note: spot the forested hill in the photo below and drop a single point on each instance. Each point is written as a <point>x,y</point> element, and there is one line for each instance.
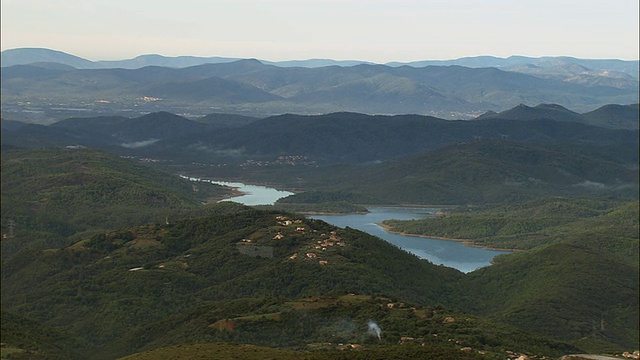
<point>106,257</point>
<point>280,280</point>
<point>51,194</point>
<point>356,138</point>
<point>112,284</point>
<point>331,138</point>
<point>483,172</point>
<point>610,116</point>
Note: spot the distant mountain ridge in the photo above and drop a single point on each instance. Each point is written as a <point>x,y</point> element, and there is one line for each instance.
<point>24,56</point>
<point>546,65</point>
<point>604,72</point>
<point>250,87</point>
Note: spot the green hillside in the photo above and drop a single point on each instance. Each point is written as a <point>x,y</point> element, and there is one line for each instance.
<point>51,194</point>
<point>107,257</point>
<point>249,276</point>
<point>565,291</point>
<point>23,338</point>
<point>483,172</point>
<point>578,281</point>
<point>338,327</point>
<point>615,116</point>
<point>251,352</point>
<point>103,286</point>
<point>543,221</point>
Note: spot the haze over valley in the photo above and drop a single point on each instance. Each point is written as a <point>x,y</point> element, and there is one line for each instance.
<point>481,207</point>
<point>41,85</point>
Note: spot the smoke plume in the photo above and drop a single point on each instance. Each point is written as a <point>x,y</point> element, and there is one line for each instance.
<point>374,329</point>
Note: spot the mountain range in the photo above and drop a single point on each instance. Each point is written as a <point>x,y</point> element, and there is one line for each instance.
<point>547,65</point>
<point>106,252</point>
<point>55,85</point>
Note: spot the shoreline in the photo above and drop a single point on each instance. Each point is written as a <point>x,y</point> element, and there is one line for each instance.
<point>466,242</point>
<point>403,206</point>
<point>234,193</point>
<point>328,213</point>
<point>216,180</point>
<point>387,228</point>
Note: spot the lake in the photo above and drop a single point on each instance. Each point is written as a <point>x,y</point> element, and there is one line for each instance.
<point>440,252</point>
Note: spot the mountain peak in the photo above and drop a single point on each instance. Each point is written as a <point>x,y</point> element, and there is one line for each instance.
<point>24,56</point>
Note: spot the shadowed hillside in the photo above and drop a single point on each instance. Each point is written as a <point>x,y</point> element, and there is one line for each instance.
<point>486,172</point>
<point>609,116</point>
<point>323,139</point>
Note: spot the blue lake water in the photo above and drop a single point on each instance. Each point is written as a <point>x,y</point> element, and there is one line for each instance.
<point>252,194</point>
<point>440,252</point>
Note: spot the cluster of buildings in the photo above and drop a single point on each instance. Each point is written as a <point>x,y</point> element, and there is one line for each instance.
<point>314,251</point>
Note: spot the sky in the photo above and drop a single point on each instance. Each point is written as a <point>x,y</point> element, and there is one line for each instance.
<point>368,30</point>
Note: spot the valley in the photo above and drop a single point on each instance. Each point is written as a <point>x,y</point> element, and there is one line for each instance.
<point>115,243</point>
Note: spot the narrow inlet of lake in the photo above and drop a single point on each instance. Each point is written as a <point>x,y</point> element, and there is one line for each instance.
<point>251,194</point>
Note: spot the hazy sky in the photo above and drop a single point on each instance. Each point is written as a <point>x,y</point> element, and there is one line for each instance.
<point>379,31</point>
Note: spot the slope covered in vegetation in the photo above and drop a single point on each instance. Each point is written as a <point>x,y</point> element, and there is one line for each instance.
<point>49,195</point>
<point>542,221</point>
<point>132,281</point>
<point>483,172</point>
<point>578,279</point>
<point>102,286</point>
